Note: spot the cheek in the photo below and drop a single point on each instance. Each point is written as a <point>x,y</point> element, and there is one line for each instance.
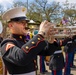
<point>17,29</point>
<point>20,29</point>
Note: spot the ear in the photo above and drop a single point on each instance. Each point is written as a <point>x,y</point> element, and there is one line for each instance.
<point>10,24</point>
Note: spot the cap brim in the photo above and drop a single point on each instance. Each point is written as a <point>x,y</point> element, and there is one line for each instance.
<point>19,19</point>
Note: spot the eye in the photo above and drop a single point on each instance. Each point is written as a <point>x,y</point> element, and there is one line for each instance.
<point>23,22</point>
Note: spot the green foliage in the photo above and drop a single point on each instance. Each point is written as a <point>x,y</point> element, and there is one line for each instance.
<point>41,10</point>
<point>70,13</point>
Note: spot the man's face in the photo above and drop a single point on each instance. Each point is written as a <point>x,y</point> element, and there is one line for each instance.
<point>18,27</point>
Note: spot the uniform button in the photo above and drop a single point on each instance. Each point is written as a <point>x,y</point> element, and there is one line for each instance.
<point>33,42</point>
<point>23,9</point>
<point>27,47</point>
<point>21,37</point>
<point>38,38</point>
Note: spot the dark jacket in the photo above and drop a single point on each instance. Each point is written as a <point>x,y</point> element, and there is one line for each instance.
<point>19,59</point>
<point>69,45</point>
<point>57,59</point>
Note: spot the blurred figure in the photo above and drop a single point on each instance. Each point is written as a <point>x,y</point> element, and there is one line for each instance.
<point>56,63</point>
<point>73,53</point>
<point>68,49</point>
<point>42,65</point>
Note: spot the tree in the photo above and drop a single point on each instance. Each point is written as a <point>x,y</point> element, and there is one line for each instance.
<point>4,26</point>
<point>41,10</point>
<point>69,12</point>
<point>1,9</point>
<point>19,3</point>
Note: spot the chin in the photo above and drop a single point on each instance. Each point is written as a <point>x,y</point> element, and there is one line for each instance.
<point>21,33</point>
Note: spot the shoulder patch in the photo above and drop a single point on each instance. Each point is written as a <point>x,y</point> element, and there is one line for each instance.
<point>9,45</point>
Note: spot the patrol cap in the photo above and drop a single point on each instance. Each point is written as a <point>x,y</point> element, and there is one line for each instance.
<point>15,14</point>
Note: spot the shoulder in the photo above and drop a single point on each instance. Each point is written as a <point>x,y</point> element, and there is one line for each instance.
<point>7,40</point>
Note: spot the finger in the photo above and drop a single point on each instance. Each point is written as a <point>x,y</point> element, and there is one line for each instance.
<point>48,25</point>
<point>44,23</point>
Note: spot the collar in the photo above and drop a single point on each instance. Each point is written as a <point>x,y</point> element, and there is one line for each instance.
<point>19,37</point>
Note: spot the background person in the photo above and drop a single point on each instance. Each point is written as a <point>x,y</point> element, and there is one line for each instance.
<point>56,63</point>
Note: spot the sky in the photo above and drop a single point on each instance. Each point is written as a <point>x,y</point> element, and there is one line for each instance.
<point>70,1</point>
<point>8,3</point>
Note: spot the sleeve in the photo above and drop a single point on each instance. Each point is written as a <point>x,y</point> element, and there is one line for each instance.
<point>64,42</point>
<point>24,55</point>
<point>49,49</point>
